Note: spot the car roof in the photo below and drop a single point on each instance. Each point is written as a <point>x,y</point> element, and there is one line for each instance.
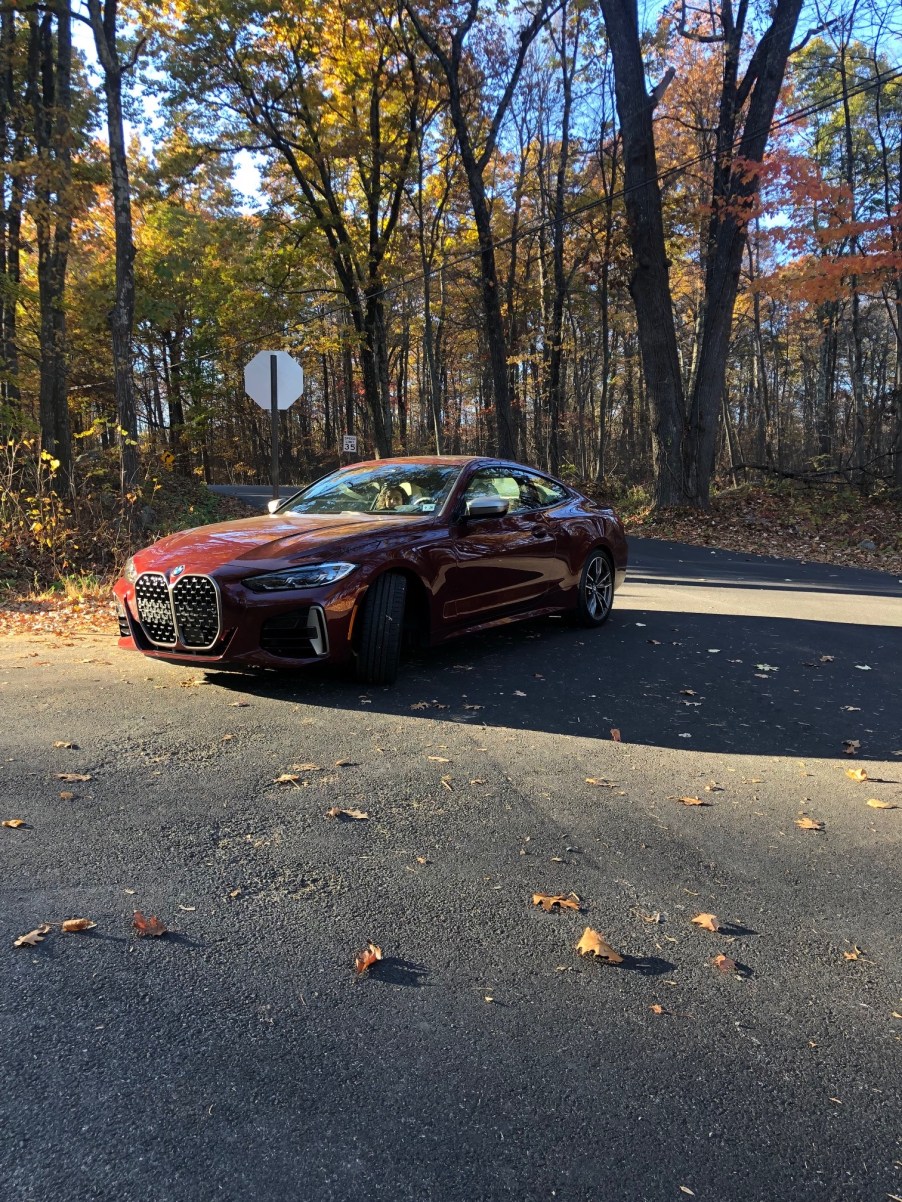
<point>443,461</point>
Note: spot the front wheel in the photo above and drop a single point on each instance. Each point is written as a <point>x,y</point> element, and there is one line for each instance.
<point>381,628</point>
<point>596,590</point>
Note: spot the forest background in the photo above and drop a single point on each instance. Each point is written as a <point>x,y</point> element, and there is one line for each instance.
<point>656,252</point>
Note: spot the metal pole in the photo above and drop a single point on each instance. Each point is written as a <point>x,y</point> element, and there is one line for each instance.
<point>274,416</point>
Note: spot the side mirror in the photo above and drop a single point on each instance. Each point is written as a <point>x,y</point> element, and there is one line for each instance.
<point>487,507</point>
<point>273,505</point>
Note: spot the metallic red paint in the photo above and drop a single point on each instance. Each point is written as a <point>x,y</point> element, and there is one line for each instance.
<point>463,575</point>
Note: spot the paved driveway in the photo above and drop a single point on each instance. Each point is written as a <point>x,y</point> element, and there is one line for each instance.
<point>239,1058</point>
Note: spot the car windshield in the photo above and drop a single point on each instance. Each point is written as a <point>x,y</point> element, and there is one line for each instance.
<point>395,489</point>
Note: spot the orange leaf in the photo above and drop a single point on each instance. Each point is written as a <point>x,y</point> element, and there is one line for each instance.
<point>72,925</point>
<point>809,824</point>
<point>724,963</point>
<point>615,734</point>
<point>708,922</point>
<point>150,925</point>
<point>547,902</point>
<point>592,943</point>
<point>370,955</point>
<point>15,823</point>
<point>657,1009</point>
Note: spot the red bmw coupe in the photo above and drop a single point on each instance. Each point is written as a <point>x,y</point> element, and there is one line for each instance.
<point>370,558</point>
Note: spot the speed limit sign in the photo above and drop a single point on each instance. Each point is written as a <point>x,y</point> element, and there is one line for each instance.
<point>349,444</point>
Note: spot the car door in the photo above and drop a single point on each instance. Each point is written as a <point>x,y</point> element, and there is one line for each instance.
<point>502,563</point>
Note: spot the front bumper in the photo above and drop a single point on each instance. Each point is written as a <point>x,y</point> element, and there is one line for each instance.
<point>290,630</point>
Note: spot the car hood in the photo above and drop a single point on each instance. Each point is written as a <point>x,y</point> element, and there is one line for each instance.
<point>251,540</point>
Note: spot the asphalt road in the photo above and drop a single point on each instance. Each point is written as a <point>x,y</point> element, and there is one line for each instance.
<point>240,1058</point>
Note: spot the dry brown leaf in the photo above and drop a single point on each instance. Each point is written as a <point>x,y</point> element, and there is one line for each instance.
<point>615,734</point>
<point>65,795</point>
<point>826,659</point>
<point>438,759</point>
<point>708,922</point>
<point>306,768</point>
<point>420,705</point>
<point>287,778</point>
<point>477,781</point>
<point>150,925</point>
<point>345,763</point>
<point>854,953</point>
<point>15,823</point>
<point>338,812</point>
<point>657,1009</point>
<point>871,801</point>
<point>809,824</point>
<point>423,860</point>
<point>563,901</point>
<point>858,774</point>
<point>65,743</point>
<point>724,963</point>
<point>239,704</point>
<point>592,943</point>
<point>370,955</point>
<point>688,693</point>
<point>604,784</point>
<point>851,746</point>
<point>692,801</point>
<point>33,938</point>
<point>73,776</point>
<point>73,925</point>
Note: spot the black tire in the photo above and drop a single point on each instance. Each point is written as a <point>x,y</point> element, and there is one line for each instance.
<point>596,589</point>
<point>381,630</point>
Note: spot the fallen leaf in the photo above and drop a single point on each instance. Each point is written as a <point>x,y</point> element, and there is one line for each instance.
<point>872,802</point>
<point>446,783</point>
<point>239,704</point>
<point>809,824</point>
<point>688,693</point>
<point>854,953</point>
<point>467,706</point>
<point>692,801</point>
<point>370,955</point>
<point>338,812</point>
<point>306,767</point>
<point>150,925</point>
<point>592,943</point>
<point>615,734</point>
<point>724,963</point>
<point>477,781</point>
<point>826,659</point>
<point>423,860</point>
<point>15,823</point>
<point>687,1190</point>
<point>33,938</point>
<point>345,763</point>
<point>708,922</point>
<point>519,693</point>
<point>72,925</point>
<point>863,667</point>
<point>227,738</point>
<point>655,1008</point>
<point>851,746</point>
<point>73,776</point>
<point>547,902</point>
<point>420,705</point>
<point>653,918</point>
<point>64,743</point>
<point>287,778</point>
<point>187,909</point>
<point>605,784</point>
<point>438,759</point>
<point>766,668</point>
<point>65,795</point>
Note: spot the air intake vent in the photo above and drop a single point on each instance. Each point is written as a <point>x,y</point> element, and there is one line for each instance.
<point>300,634</point>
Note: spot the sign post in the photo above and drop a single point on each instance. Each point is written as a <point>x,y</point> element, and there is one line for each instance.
<point>275,381</point>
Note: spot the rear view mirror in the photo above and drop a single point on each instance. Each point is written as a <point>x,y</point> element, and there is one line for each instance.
<point>273,505</point>
<point>487,507</point>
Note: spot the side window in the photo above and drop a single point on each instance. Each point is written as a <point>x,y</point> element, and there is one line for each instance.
<point>495,484</point>
<point>547,491</point>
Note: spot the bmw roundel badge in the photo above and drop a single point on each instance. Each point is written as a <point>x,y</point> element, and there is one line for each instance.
<point>176,572</point>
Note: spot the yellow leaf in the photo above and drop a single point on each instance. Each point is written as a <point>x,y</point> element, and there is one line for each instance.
<point>858,774</point>
<point>14,823</point>
<point>565,902</point>
<point>708,922</point>
<point>872,802</point>
<point>809,824</point>
<point>592,943</point>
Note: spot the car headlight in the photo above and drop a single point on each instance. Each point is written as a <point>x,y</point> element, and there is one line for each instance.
<point>311,575</point>
<point>130,572</point>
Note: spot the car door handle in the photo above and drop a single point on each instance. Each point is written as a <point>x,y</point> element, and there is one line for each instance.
<point>541,532</point>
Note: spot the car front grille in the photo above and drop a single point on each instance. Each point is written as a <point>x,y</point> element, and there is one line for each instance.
<point>196,605</point>
<point>155,609</point>
<point>185,612</point>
